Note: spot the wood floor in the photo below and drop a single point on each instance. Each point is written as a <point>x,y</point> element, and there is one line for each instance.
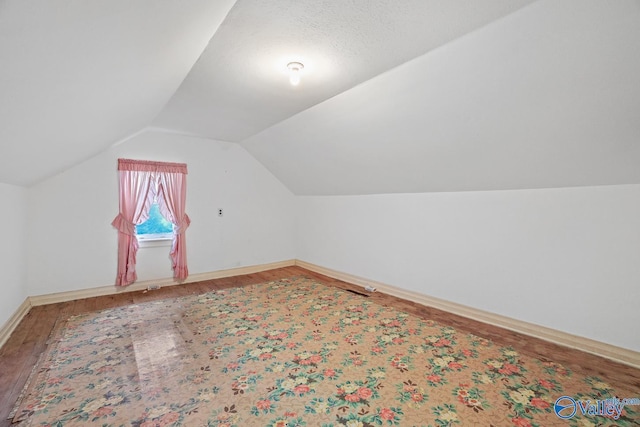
<point>29,340</point>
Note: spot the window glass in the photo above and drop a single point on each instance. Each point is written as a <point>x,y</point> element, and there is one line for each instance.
<point>156,227</point>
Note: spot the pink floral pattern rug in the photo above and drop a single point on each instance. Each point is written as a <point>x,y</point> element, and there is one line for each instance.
<point>292,353</point>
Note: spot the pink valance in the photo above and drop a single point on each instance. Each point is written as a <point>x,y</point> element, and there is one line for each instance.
<point>150,166</point>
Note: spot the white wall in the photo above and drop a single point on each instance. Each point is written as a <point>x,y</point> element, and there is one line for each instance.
<point>13,217</point>
<point>568,259</point>
<point>72,244</point>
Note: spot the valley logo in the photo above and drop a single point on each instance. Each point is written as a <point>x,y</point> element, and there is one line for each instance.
<point>566,407</point>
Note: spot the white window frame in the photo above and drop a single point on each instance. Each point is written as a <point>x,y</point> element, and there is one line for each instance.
<point>154,240</point>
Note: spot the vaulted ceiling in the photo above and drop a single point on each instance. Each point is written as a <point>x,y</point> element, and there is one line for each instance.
<point>411,96</point>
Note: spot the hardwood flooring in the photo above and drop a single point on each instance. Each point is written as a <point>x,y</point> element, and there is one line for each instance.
<point>20,353</point>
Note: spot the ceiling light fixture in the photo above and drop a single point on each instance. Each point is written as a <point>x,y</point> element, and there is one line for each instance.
<point>294,72</point>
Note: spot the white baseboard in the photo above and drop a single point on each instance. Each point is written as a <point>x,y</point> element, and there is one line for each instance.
<point>617,354</point>
<point>11,324</point>
<point>139,286</point>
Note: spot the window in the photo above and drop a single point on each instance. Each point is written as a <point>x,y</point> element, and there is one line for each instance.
<point>140,183</point>
<point>156,227</point>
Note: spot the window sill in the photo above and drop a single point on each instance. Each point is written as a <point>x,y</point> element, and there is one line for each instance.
<point>154,243</point>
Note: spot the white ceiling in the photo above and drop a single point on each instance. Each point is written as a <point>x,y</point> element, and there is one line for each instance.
<point>411,96</point>
<point>546,97</point>
<point>77,76</point>
<point>239,86</point>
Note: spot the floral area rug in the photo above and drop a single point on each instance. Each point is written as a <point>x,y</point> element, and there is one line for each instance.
<point>293,353</point>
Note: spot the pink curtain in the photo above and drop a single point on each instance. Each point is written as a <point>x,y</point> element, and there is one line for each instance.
<point>136,196</point>
<point>171,201</point>
<point>139,182</point>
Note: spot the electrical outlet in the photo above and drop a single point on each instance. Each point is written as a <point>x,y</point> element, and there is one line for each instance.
<point>220,212</point>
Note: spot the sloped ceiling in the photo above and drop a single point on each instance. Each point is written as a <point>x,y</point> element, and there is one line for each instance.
<point>546,97</point>
<point>240,85</point>
<point>412,96</point>
<point>77,76</point>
